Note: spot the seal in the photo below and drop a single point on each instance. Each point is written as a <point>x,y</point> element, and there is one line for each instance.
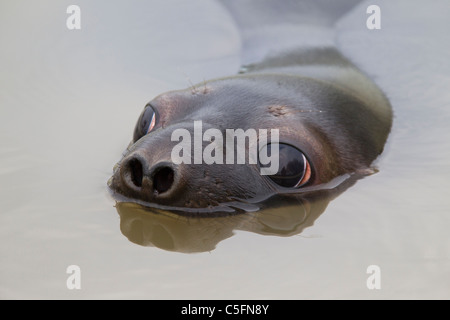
<point>281,216</point>
<point>333,121</point>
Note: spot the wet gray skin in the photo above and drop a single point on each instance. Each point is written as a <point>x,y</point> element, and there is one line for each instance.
<point>320,103</point>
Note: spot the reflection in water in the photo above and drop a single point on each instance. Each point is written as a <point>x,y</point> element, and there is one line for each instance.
<point>284,216</point>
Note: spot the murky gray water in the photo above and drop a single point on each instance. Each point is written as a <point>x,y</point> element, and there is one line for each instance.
<point>69,101</point>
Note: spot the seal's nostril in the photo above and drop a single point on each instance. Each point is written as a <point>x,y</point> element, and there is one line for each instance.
<point>163,179</point>
<point>136,172</point>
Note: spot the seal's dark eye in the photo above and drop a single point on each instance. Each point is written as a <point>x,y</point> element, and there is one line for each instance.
<point>145,123</point>
<point>294,169</point>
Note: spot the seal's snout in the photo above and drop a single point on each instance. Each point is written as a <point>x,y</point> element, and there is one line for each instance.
<point>137,176</point>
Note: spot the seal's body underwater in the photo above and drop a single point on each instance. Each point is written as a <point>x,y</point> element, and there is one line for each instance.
<point>332,121</point>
